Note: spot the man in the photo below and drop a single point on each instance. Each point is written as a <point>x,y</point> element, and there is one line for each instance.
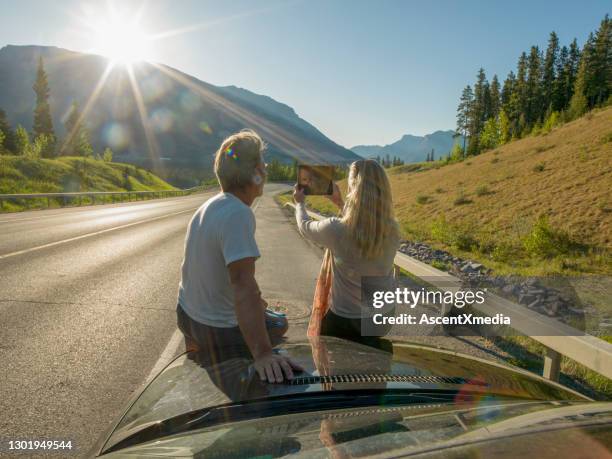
<point>220,310</point>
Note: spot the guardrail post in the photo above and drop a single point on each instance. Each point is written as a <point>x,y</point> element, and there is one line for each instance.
<point>552,365</point>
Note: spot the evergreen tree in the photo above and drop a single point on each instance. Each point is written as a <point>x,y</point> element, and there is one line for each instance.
<point>533,110</point>
<point>464,111</point>
<point>516,104</point>
<point>486,101</point>
<point>72,125</point>
<point>586,71</point>
<point>8,142</point>
<point>43,124</point>
<point>559,91</point>
<point>600,84</point>
<point>509,104</point>
<point>477,115</point>
<point>77,136</point>
<point>573,62</point>
<point>494,97</point>
<point>579,104</point>
<point>508,89</point>
<point>2,149</point>
<point>549,71</point>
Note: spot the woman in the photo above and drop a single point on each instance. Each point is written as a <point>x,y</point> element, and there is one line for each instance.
<point>363,242</point>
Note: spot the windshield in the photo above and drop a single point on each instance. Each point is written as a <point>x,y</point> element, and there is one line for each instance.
<point>212,212</point>
<point>363,432</point>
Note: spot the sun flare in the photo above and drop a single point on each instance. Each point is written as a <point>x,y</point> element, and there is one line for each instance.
<point>121,40</point>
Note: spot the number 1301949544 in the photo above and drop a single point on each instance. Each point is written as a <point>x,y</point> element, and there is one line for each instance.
<point>35,445</point>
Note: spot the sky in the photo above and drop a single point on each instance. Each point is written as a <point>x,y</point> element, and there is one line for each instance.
<point>362,72</point>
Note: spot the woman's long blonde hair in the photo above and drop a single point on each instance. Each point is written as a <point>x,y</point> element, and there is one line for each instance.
<point>368,210</point>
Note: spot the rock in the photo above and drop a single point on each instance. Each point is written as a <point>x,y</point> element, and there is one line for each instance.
<point>525,299</point>
<point>534,304</point>
<point>554,307</point>
<point>535,291</point>
<point>466,268</point>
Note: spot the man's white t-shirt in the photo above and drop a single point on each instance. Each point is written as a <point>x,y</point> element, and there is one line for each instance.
<point>220,232</point>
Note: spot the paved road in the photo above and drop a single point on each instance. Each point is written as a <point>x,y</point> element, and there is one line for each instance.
<point>87,307</point>
<point>87,299</point>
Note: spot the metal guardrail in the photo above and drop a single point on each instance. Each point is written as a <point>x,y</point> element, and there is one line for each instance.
<point>586,350</point>
<point>92,197</point>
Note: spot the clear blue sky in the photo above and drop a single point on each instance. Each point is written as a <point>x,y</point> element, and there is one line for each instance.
<point>363,72</point>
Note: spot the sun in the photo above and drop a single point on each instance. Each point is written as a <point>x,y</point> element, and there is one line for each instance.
<point>122,40</point>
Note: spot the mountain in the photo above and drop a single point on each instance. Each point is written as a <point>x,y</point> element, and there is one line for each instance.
<point>185,119</point>
<point>411,148</point>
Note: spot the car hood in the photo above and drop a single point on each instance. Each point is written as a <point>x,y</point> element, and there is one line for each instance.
<point>190,384</point>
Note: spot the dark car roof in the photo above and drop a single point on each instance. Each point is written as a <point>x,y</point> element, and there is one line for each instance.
<point>192,383</point>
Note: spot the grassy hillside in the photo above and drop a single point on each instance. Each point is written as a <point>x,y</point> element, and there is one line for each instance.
<point>536,206</point>
<point>68,174</point>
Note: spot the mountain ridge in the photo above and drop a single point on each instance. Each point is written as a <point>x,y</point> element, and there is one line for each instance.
<point>411,148</point>
<point>185,118</point>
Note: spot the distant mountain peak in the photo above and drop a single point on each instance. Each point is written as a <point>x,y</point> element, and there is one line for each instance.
<point>411,148</point>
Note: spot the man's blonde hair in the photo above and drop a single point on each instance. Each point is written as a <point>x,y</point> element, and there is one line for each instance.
<point>237,158</point>
<point>368,210</point>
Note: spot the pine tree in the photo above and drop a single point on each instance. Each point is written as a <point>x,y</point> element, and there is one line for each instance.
<point>509,104</point>
<point>517,115</point>
<point>43,124</point>
<point>586,69</point>
<point>486,101</point>
<point>494,98</point>
<point>549,71</point>
<point>579,104</point>
<point>559,91</point>
<point>477,115</point>
<point>8,135</point>
<point>72,126</point>
<point>573,63</point>
<point>533,111</point>
<point>508,89</point>
<point>77,136</point>
<point>464,111</point>
<point>600,84</point>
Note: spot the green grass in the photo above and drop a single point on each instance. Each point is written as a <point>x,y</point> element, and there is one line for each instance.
<point>70,174</point>
<point>422,199</point>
